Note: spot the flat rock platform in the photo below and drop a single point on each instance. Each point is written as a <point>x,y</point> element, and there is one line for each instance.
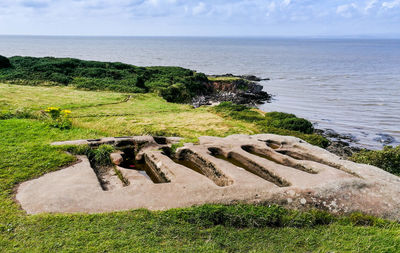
<point>263,168</point>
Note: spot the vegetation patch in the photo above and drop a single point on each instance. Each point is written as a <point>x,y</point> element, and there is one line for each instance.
<point>18,114</point>
<point>223,78</point>
<point>4,62</point>
<point>175,84</point>
<point>273,122</point>
<point>262,215</point>
<point>58,118</point>
<point>25,153</point>
<point>387,159</point>
<point>182,142</point>
<point>99,156</point>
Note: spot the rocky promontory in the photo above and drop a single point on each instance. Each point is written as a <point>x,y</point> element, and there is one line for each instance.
<point>230,88</point>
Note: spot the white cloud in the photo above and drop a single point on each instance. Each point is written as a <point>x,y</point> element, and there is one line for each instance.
<point>199,9</point>
<point>391,5</point>
<point>286,2</point>
<point>84,16</point>
<point>370,4</point>
<point>271,7</point>
<point>346,10</point>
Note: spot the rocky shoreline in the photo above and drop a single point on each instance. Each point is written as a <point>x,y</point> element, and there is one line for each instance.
<point>236,89</point>
<point>343,145</point>
<point>245,90</point>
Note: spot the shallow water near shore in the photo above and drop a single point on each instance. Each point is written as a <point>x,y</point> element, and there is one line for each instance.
<point>348,85</point>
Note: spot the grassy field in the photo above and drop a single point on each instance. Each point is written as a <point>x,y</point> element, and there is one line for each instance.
<point>108,113</point>
<point>25,153</point>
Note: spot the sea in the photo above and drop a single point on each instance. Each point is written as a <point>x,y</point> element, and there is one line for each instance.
<point>351,86</point>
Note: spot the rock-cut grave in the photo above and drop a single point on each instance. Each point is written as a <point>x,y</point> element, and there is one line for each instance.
<point>265,168</point>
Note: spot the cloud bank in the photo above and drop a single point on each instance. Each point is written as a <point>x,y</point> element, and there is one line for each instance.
<point>206,17</point>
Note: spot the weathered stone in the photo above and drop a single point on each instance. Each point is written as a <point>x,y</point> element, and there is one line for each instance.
<point>252,169</point>
<point>116,158</point>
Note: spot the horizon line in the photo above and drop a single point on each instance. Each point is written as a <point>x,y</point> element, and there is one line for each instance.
<point>360,36</point>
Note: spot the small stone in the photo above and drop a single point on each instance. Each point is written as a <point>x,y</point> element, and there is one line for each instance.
<point>116,158</point>
<point>289,200</point>
<point>303,201</point>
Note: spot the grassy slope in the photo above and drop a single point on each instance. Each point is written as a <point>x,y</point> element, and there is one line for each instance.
<point>36,98</point>
<point>25,154</point>
<point>143,114</point>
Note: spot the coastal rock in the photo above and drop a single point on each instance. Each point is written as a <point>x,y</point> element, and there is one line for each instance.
<point>238,91</point>
<point>343,145</point>
<point>385,139</point>
<point>262,168</point>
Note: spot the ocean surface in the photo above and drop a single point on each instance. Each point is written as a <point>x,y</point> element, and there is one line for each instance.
<point>349,85</point>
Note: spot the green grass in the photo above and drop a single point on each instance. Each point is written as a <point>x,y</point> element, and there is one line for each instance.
<point>142,114</point>
<point>14,97</point>
<point>25,153</point>
<point>223,78</point>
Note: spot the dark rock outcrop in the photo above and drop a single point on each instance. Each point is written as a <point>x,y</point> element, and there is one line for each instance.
<point>238,91</point>
<point>343,145</point>
<point>385,139</point>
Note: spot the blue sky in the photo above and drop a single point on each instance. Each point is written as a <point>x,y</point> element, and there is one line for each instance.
<point>205,18</point>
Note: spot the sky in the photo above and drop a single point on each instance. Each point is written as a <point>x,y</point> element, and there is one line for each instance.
<point>201,18</point>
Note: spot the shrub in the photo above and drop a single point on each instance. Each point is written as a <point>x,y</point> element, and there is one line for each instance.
<point>289,121</point>
<point>387,159</point>
<point>175,93</point>
<point>175,84</point>
<point>273,122</point>
<point>59,118</point>
<point>280,115</point>
<point>4,62</point>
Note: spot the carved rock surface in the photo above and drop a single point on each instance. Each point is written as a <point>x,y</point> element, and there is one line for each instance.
<point>239,168</point>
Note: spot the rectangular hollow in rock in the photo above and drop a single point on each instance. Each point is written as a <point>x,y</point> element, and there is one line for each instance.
<point>200,164</point>
<point>242,162</point>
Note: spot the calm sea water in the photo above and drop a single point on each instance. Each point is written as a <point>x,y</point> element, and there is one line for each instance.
<point>348,85</point>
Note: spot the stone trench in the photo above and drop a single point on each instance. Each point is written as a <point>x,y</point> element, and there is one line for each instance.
<point>263,168</point>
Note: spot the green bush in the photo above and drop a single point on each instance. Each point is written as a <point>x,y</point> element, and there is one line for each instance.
<point>175,92</point>
<point>280,115</point>
<point>273,122</point>
<point>58,118</point>
<point>387,159</point>
<point>289,122</point>
<point>4,62</point>
<point>175,84</point>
